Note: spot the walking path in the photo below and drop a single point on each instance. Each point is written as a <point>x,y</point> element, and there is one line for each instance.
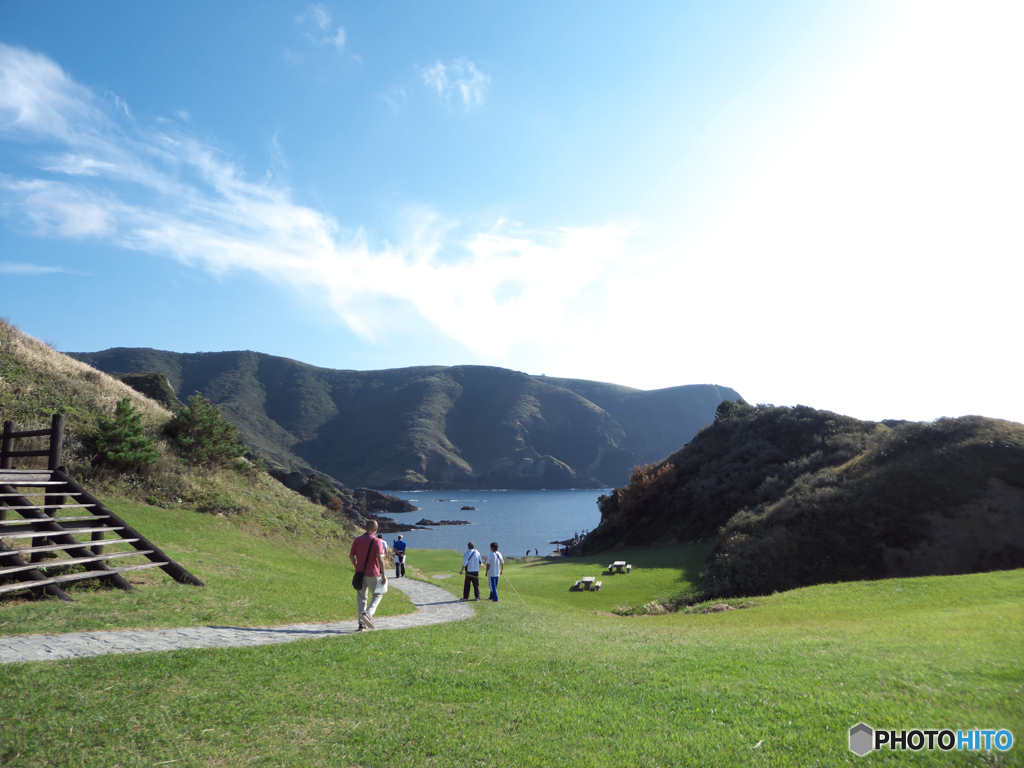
<point>435,606</point>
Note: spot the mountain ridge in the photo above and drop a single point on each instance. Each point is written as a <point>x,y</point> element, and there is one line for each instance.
<point>441,427</point>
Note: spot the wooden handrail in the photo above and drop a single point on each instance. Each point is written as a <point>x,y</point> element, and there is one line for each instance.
<point>54,453</point>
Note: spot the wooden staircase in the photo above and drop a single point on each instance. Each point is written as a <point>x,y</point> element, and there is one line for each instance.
<point>39,545</point>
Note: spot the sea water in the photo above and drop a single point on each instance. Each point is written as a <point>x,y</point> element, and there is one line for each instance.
<point>517,520</point>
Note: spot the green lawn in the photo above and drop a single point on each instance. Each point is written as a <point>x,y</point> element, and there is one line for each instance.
<point>556,681</point>
<point>251,580</point>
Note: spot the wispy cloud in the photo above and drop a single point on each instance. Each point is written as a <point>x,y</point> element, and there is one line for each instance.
<point>459,80</point>
<point>11,268</point>
<point>164,192</point>
<point>395,98</point>
<point>316,20</point>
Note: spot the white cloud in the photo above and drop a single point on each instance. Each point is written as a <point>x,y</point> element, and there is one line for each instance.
<point>315,14</point>
<point>122,105</point>
<point>78,165</point>
<point>167,193</point>
<point>395,98</point>
<point>37,97</point>
<point>11,268</point>
<point>58,209</point>
<point>436,77</point>
<point>277,156</point>
<point>317,19</point>
<point>459,79</point>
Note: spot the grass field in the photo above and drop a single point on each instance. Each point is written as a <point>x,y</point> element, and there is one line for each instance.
<point>252,579</point>
<point>556,681</point>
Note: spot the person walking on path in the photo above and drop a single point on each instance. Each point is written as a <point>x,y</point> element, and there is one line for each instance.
<point>399,547</point>
<point>495,567</point>
<point>367,553</point>
<point>471,565</point>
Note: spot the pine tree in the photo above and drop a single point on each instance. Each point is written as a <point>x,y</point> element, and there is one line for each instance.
<point>122,441</point>
<point>202,435</point>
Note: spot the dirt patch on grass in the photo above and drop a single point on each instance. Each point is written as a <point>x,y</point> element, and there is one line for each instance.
<point>717,608</point>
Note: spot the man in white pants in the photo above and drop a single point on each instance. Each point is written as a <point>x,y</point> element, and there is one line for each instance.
<point>369,550</point>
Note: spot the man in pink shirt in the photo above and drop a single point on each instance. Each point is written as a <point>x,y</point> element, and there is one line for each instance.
<point>368,549</point>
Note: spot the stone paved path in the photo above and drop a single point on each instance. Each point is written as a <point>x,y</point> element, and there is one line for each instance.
<point>435,606</point>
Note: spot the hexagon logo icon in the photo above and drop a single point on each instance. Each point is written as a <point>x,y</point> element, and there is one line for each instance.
<point>862,739</point>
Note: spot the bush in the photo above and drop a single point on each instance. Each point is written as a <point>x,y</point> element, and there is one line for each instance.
<point>122,442</point>
<point>727,408</point>
<point>319,490</point>
<point>202,436</point>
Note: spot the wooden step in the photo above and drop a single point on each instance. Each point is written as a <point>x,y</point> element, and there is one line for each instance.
<point>56,547</point>
<point>68,524</point>
<point>38,534</point>
<point>23,520</point>
<point>38,493</point>
<point>73,561</point>
<point>48,506</point>
<point>75,524</point>
<point>24,483</point>
<point>77,577</point>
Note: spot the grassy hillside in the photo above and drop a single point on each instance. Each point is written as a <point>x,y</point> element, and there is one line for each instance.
<point>560,680</point>
<point>433,426</point>
<point>796,496</point>
<point>36,382</point>
<point>264,569</point>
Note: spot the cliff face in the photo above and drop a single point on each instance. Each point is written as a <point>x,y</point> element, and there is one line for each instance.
<point>433,427</point>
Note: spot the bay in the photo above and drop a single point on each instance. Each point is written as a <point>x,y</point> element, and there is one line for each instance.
<point>517,520</point>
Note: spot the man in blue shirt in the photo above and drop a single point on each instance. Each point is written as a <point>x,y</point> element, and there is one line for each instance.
<point>399,548</point>
<point>471,565</point>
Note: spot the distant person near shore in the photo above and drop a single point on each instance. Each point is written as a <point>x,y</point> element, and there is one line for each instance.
<point>400,547</point>
<point>471,565</point>
<point>495,567</point>
<point>367,554</point>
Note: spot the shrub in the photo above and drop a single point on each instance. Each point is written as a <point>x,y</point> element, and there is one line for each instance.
<point>727,408</point>
<point>318,489</point>
<point>202,436</point>
<point>122,442</point>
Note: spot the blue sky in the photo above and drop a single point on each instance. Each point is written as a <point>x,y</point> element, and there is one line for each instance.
<point>810,202</point>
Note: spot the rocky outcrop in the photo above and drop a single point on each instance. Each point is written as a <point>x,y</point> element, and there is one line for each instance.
<point>433,524</point>
<point>375,501</point>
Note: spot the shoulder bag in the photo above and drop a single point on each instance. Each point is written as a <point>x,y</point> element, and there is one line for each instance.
<point>357,577</point>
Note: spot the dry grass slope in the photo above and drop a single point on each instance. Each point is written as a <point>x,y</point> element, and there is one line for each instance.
<point>31,370</point>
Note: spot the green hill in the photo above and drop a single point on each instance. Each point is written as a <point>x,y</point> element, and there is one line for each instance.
<point>797,496</point>
<point>36,381</point>
<point>433,426</point>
